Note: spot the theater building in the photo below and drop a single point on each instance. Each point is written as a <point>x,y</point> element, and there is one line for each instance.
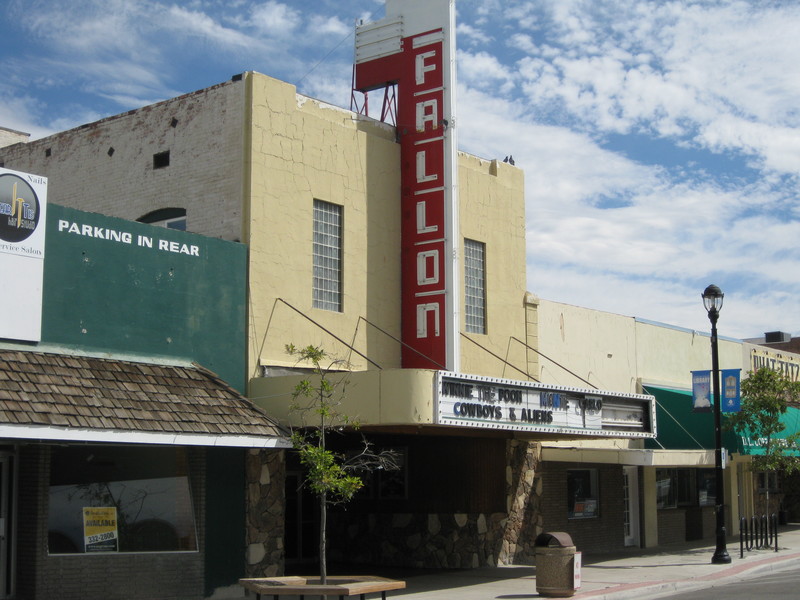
<point>386,246</point>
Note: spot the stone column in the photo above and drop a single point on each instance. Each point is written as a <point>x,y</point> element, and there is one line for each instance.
<point>265,474</point>
<point>524,486</point>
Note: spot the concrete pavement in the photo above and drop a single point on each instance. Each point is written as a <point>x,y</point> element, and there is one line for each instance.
<point>633,574</point>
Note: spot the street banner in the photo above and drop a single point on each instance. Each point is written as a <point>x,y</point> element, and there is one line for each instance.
<point>731,396</point>
<point>701,391</point>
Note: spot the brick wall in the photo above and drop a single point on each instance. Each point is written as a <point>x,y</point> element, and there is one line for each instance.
<point>107,166</point>
<point>671,526</point>
<point>603,533</point>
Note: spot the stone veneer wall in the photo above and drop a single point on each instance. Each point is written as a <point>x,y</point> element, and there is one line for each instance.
<point>265,474</point>
<point>457,540</point>
<point>525,520</point>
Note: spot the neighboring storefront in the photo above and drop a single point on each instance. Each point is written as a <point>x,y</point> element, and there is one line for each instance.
<point>124,463</point>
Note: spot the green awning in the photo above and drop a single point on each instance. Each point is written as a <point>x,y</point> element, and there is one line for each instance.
<point>791,422</point>
<point>680,427</point>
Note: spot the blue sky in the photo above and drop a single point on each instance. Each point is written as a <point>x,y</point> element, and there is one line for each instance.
<point>660,139</point>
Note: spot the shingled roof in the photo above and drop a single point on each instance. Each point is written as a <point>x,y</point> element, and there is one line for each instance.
<point>68,397</point>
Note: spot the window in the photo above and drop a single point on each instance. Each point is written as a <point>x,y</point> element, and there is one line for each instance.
<point>666,488</point>
<point>120,499</point>
<point>327,251</point>
<point>706,487</point>
<point>685,487</point>
<point>161,159</point>
<point>475,286</point>
<point>171,218</point>
<point>768,481</point>
<point>582,494</point>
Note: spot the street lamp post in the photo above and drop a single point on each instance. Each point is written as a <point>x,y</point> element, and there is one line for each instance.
<point>712,300</point>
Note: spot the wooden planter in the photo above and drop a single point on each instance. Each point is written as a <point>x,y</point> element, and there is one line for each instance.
<point>337,586</point>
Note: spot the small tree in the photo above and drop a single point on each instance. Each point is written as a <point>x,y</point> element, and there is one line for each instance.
<point>766,396</point>
<point>332,476</point>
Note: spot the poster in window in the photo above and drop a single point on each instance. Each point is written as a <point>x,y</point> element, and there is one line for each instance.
<point>100,529</point>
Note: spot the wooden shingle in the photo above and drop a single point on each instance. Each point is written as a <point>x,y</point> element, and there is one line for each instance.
<point>114,395</point>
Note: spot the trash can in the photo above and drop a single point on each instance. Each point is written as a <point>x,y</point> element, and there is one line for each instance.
<point>555,565</point>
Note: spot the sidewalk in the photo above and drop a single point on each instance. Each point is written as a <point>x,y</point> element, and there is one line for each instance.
<point>634,574</point>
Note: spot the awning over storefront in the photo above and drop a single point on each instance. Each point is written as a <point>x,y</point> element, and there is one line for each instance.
<point>679,427</point>
<point>628,456</point>
<point>791,422</point>
<point>65,397</point>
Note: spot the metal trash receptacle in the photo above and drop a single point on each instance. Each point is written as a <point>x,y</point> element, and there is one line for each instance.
<point>555,565</point>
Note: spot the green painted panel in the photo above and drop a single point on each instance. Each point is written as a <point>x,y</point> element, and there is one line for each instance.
<point>120,286</point>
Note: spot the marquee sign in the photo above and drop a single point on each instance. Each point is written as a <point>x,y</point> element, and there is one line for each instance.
<point>23,207</point>
<point>485,402</point>
<point>413,47</point>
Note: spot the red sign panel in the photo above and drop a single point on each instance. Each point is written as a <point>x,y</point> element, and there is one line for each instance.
<point>421,124</point>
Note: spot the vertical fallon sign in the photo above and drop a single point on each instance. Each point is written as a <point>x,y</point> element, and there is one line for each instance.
<point>23,205</point>
<point>414,47</point>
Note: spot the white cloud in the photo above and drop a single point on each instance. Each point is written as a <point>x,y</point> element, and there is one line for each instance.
<point>275,19</point>
<point>712,74</point>
<point>334,26</point>
<point>484,71</point>
<point>468,33</point>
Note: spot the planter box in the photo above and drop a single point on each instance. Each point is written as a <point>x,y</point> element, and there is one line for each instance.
<point>337,586</point>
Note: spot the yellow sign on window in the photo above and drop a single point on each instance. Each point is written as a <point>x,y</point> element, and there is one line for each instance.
<point>100,529</point>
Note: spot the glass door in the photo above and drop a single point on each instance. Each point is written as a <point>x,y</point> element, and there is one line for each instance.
<point>630,484</point>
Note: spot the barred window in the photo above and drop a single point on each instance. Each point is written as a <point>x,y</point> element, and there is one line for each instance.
<point>475,286</point>
<point>327,286</point>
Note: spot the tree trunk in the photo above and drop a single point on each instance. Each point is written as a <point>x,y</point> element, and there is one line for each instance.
<point>323,538</point>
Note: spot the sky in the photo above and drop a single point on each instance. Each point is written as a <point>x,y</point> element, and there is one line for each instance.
<point>660,140</point>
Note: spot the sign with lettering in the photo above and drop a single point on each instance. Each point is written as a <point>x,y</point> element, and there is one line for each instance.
<point>414,48</point>
<point>787,363</point>
<point>100,529</point>
<point>121,236</point>
<point>23,208</point>
<point>701,391</point>
<point>485,402</point>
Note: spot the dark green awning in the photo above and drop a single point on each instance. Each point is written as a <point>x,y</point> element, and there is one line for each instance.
<point>680,428</point>
<point>791,422</point>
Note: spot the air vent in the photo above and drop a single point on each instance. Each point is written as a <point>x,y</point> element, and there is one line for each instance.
<point>775,337</point>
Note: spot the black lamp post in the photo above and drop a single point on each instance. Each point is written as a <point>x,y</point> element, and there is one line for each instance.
<point>712,300</point>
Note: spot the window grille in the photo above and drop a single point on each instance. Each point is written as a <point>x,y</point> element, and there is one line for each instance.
<point>475,286</point>
<point>327,285</point>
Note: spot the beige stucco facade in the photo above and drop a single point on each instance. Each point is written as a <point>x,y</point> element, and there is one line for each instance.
<point>301,150</point>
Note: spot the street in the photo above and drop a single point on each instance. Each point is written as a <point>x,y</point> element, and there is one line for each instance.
<point>781,584</point>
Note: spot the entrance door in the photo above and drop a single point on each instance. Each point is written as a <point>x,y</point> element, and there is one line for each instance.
<point>302,522</point>
<point>630,484</point>
<point>6,525</point>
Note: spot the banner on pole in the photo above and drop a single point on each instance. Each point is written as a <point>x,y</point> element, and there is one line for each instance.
<point>731,396</point>
<point>701,391</point>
